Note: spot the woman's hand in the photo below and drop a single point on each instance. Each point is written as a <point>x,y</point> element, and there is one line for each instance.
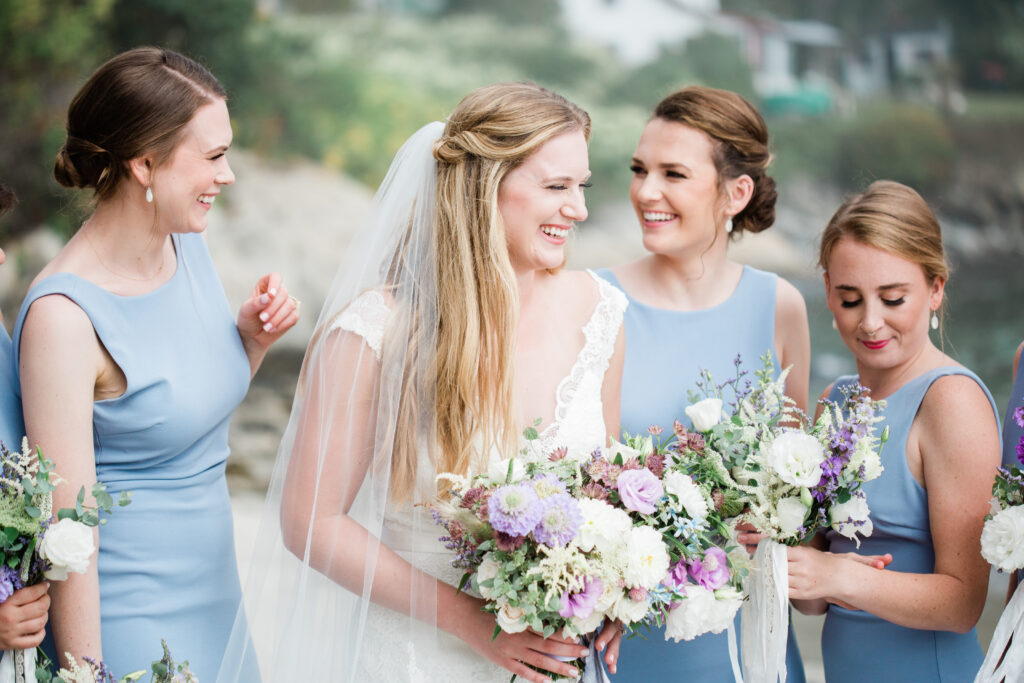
<point>749,536</point>
<point>609,641</point>
<point>266,315</point>
<point>813,574</point>
<point>513,651</point>
<point>23,617</point>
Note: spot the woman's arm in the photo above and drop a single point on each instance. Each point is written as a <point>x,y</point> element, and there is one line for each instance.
<point>611,389</point>
<point>793,341</point>
<point>331,457</point>
<point>266,315</point>
<point>956,433</point>
<point>61,362</point>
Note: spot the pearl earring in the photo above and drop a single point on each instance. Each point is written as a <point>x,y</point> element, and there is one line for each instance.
<point>149,195</point>
<point>834,325</point>
<point>935,320</point>
<point>728,225</point>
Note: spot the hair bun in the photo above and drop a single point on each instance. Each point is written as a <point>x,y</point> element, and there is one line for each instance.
<point>81,163</point>
<point>759,213</point>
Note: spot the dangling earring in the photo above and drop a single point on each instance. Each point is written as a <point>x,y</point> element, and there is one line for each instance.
<point>935,320</point>
<point>728,225</point>
<point>834,325</point>
<point>149,195</point>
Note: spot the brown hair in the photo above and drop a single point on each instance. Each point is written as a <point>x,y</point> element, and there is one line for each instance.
<point>492,131</point>
<point>136,103</point>
<point>892,217</point>
<point>740,139</point>
<point>8,200</point>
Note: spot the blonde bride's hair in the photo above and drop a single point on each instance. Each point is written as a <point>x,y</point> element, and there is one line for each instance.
<point>492,131</point>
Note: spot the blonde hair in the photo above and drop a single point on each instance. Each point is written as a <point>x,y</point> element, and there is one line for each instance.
<point>740,139</point>
<point>493,130</point>
<point>892,217</point>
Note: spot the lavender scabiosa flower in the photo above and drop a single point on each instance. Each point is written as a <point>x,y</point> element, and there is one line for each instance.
<point>559,522</point>
<point>581,603</point>
<point>710,571</point>
<point>514,509</point>
<point>545,485</point>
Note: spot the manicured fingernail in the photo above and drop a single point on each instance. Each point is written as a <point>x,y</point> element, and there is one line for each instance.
<point>574,672</point>
<point>584,653</point>
<point>264,316</point>
<point>264,299</point>
<point>273,291</point>
<point>268,327</point>
<point>611,658</point>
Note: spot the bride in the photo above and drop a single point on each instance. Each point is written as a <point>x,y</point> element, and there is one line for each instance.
<point>451,326</point>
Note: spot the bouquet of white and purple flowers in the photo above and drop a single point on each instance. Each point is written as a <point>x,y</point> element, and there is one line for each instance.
<point>34,544</point>
<point>163,670</point>
<point>791,480</point>
<point>1002,545</point>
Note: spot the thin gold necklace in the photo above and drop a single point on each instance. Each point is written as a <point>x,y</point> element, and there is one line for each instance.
<point>110,270</point>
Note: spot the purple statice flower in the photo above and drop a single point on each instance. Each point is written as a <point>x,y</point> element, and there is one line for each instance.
<point>100,671</point>
<point>639,490</point>
<point>1018,416</point>
<point>514,509</point>
<point>581,603</point>
<point>711,571</point>
<point>1020,451</point>
<point>560,521</point>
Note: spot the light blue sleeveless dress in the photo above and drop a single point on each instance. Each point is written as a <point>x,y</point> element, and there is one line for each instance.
<point>1011,430</point>
<point>167,561</point>
<point>858,646</point>
<point>12,426</point>
<point>665,352</point>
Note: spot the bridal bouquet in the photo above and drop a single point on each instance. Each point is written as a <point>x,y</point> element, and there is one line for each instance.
<point>1002,545</point>
<point>164,670</point>
<point>34,544</point>
<point>791,482</point>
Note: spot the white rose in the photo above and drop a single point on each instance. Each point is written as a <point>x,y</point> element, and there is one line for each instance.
<point>603,525</point>
<point>616,448</point>
<point>689,494</point>
<point>852,517</point>
<point>488,569</point>
<point>68,545</point>
<point>797,458</point>
<point>701,612</point>
<point>1002,539</point>
<point>510,618</point>
<point>792,513</point>
<point>497,470</point>
<point>705,414</point>
<point>648,560</point>
<point>588,625</point>
<point>629,611</point>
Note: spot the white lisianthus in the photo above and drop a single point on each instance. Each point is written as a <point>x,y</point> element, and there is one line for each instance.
<point>628,610</point>
<point>797,458</point>
<point>1002,539</point>
<point>705,414</point>
<point>853,517</point>
<point>792,513</point>
<point>702,611</point>
<point>648,560</point>
<point>864,454</point>
<point>497,470</point>
<point>691,498</point>
<point>588,625</point>
<point>510,618</point>
<point>488,569</point>
<point>68,545</point>
<point>603,525</point>
<point>616,448</point>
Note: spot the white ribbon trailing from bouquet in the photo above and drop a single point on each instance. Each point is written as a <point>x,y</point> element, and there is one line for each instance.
<point>18,666</point>
<point>765,616</point>
<point>1004,660</point>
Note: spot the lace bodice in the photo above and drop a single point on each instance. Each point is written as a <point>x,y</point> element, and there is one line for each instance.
<point>578,425</point>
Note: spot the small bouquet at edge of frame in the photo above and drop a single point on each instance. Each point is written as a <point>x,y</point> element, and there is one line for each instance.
<point>35,544</point>
<point>163,670</point>
<point>792,479</point>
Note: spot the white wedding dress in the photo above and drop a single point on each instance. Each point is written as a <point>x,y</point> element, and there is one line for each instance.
<point>387,654</point>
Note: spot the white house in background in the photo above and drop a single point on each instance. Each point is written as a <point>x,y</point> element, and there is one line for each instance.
<point>637,29</point>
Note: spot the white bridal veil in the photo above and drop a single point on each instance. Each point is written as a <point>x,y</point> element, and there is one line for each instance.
<point>306,612</point>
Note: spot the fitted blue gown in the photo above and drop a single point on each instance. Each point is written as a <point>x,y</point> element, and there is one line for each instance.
<point>858,646</point>
<point>665,352</point>
<point>1011,430</point>
<point>12,426</point>
<point>166,562</point>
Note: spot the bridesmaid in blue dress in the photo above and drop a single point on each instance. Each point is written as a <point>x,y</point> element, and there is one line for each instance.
<point>131,364</point>
<point>23,613</point>
<point>699,181</point>
<point>885,273</point>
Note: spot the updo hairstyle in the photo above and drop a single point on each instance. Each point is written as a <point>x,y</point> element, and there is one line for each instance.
<point>136,103</point>
<point>740,139</point>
